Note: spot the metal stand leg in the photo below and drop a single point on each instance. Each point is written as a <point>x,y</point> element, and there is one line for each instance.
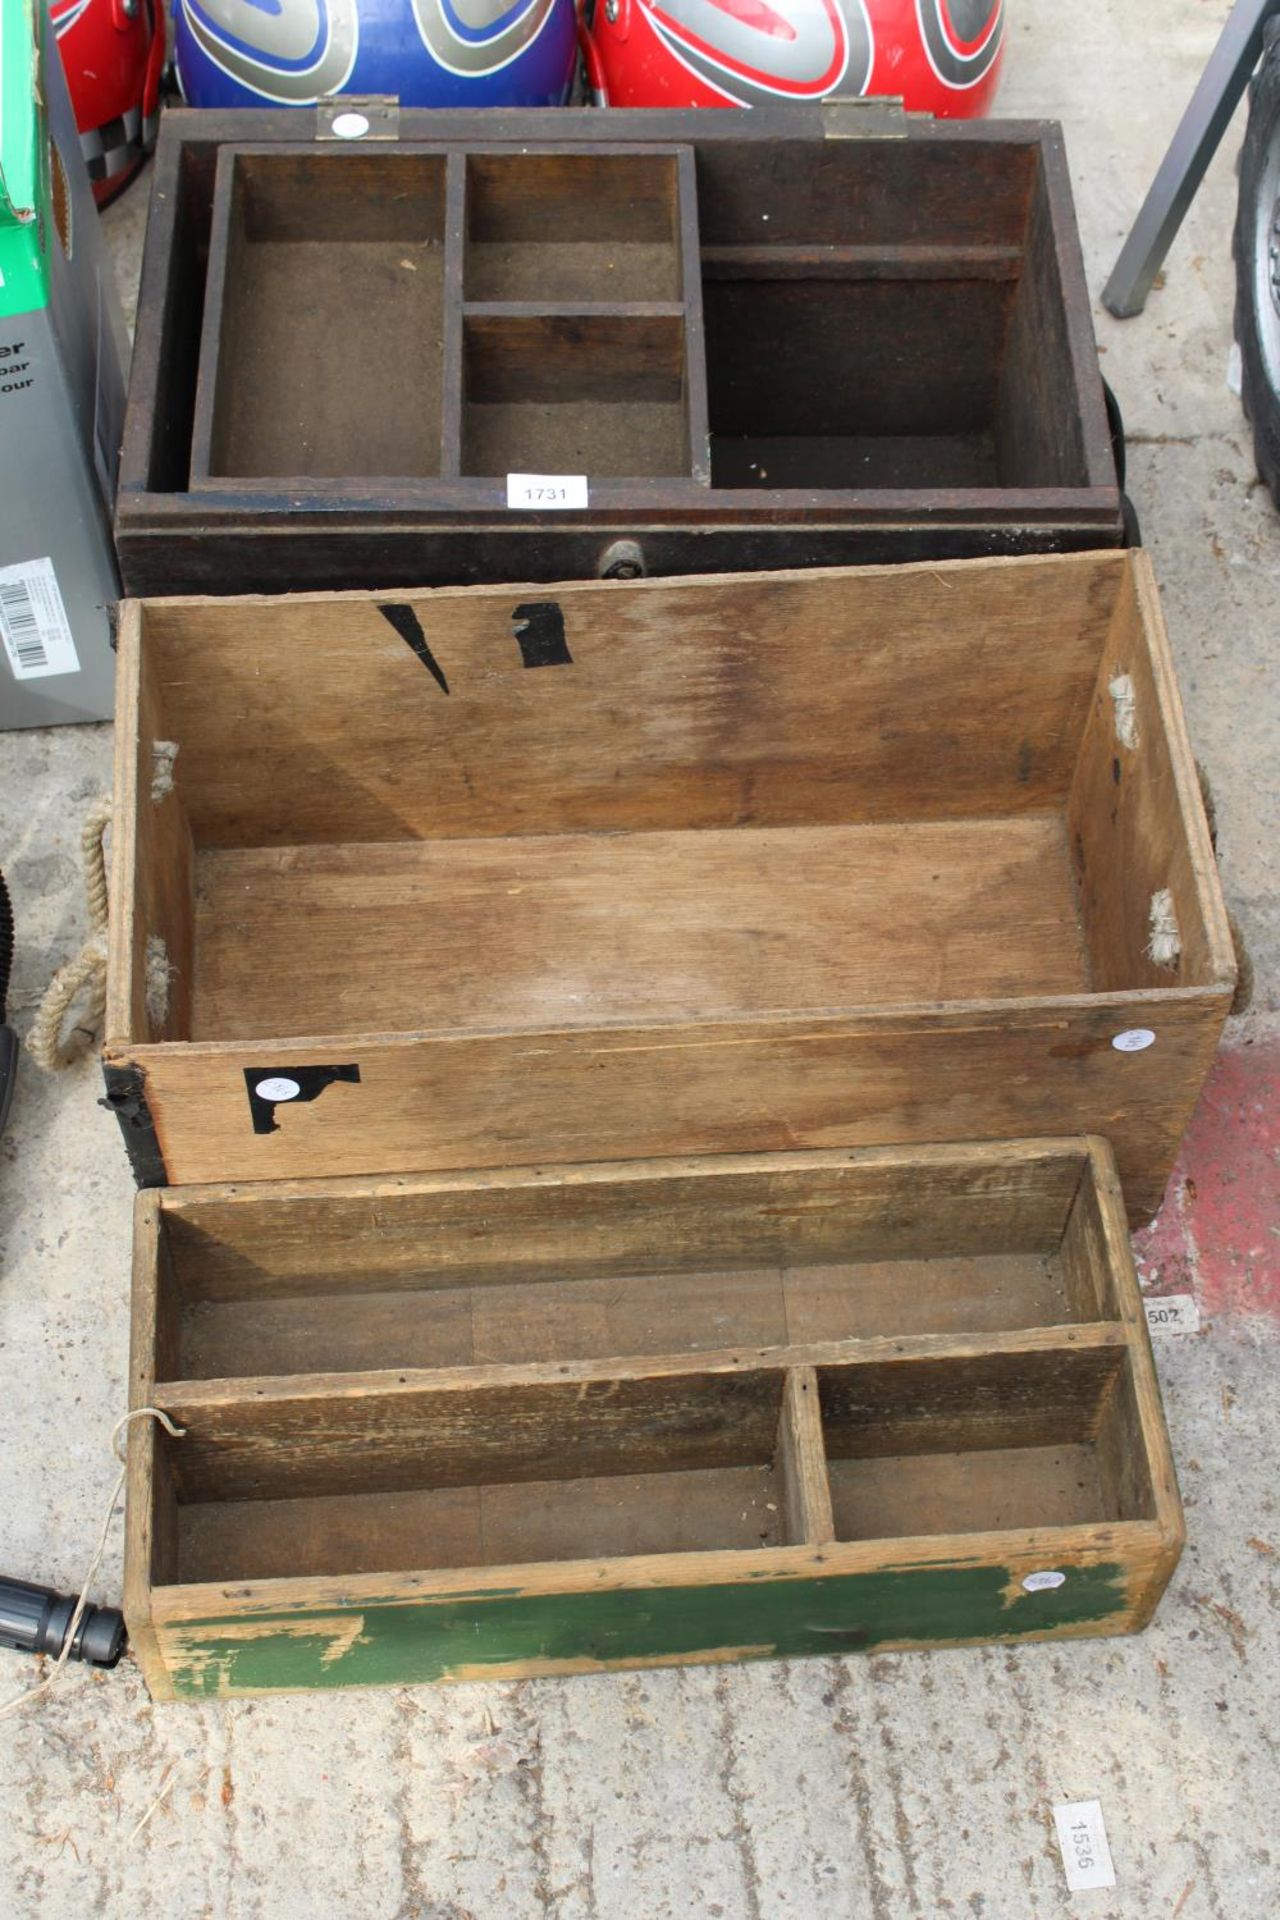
<point>1192,148</point>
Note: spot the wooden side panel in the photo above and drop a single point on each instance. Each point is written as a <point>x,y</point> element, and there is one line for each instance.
<point>162,376</point>
<point>219,335</point>
<point>286,1636</point>
<point>264,550</point>
<point>798,1209</point>
<point>1137,820</point>
<point>1086,1264</point>
<point>151,943</point>
<point>1121,1455</point>
<point>986,1401</point>
<point>730,1087</point>
<point>1039,438</point>
<point>1133,1428</point>
<point>866,192</point>
<point>706,703</point>
<point>802,1462</point>
<point>305,1437</point>
<point>151,1512</point>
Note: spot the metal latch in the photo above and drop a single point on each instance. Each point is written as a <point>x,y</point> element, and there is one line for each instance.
<point>359,116</point>
<point>859,117</point>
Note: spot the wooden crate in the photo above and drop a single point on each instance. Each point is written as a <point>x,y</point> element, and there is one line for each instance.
<point>763,339</point>
<point>515,1423</point>
<point>501,876</point>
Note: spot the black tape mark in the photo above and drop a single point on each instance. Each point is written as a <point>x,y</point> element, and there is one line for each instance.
<point>540,634</point>
<point>127,1099</point>
<point>409,627</point>
<point>311,1082</point>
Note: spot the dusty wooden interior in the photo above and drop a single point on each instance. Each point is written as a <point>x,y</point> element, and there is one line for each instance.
<point>656,1358</point>
<point>544,313</point>
<point>748,795</point>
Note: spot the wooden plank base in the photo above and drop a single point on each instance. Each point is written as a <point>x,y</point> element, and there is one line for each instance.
<point>311,397</point>
<point>980,1492</point>
<point>532,1520</point>
<point>575,930</point>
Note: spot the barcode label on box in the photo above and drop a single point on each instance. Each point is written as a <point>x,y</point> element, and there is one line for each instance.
<point>1083,1839</point>
<point>1174,1313</point>
<point>542,491</point>
<point>33,622</point>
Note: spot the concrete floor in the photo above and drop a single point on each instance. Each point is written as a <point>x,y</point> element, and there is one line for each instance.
<point>892,1786</point>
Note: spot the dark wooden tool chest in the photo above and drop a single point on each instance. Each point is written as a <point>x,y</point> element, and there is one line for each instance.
<point>488,1425</point>
<point>543,875</point>
<point>809,337</point>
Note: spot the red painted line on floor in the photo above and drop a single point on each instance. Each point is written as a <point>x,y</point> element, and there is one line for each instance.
<point>1218,1233</point>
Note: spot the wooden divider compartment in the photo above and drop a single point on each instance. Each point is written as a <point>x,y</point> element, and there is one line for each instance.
<point>555,226</point>
<point>624,870</point>
<point>390,313</point>
<point>324,319</point>
<point>886,353</point>
<point>667,1410</point>
<point>901,355</point>
<point>575,393</point>
<point>984,1443</point>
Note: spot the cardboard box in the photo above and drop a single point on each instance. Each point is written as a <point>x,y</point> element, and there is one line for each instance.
<point>63,352</point>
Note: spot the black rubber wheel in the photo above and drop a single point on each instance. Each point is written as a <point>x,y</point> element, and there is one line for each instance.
<point>1257,257</point>
<point>6,946</point>
<point>1115,422</point>
<point>1132,536</point>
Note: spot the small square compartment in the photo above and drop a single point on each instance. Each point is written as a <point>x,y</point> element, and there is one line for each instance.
<point>321,352</point>
<point>596,394</point>
<point>573,227</point>
<point>985,1443</point>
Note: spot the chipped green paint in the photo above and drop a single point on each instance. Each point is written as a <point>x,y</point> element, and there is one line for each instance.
<point>385,1643</point>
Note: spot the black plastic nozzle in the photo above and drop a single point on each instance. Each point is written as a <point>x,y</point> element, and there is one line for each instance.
<point>36,1620</point>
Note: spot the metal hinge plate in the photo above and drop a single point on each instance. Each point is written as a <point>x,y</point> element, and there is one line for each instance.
<point>356,117</point>
<point>858,117</point>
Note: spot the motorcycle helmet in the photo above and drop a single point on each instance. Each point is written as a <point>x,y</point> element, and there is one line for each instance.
<point>939,56</point>
<point>425,53</point>
<point>113,56</point>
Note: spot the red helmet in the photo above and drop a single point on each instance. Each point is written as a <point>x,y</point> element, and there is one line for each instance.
<point>113,56</point>
<point>940,56</point>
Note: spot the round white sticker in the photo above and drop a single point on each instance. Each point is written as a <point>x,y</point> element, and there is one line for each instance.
<point>1044,1582</point>
<point>277,1088</point>
<point>349,126</point>
<point>1133,1040</point>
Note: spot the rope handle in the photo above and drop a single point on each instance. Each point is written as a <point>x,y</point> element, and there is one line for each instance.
<point>83,979</point>
<point>55,1673</point>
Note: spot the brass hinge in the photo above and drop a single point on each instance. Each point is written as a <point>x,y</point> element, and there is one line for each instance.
<point>358,116</point>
